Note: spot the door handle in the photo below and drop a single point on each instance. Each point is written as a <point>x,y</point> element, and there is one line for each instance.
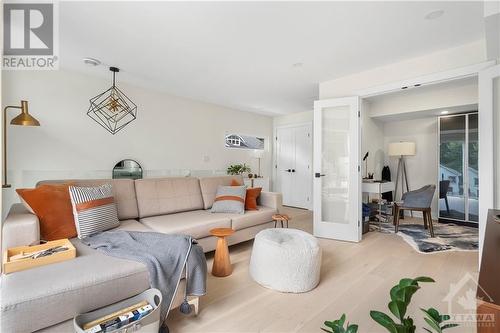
<point>288,170</point>
<point>317,175</point>
<point>293,170</point>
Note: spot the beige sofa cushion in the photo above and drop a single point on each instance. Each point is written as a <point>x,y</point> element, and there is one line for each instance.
<point>167,195</point>
<point>123,191</point>
<point>252,217</point>
<point>195,223</point>
<point>209,186</point>
<point>132,225</point>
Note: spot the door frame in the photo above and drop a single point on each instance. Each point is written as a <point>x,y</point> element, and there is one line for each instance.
<point>487,154</point>
<point>275,155</point>
<point>486,132</point>
<point>354,102</point>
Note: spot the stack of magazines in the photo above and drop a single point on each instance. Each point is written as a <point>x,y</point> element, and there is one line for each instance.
<point>119,318</point>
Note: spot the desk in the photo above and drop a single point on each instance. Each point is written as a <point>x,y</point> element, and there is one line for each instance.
<point>378,188</point>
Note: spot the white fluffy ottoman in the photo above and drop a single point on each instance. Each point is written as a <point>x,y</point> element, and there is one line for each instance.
<point>286,260</point>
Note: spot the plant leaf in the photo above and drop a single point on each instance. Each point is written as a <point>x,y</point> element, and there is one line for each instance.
<point>444,317</point>
<point>424,279</point>
<point>434,314</point>
<point>324,329</point>
<point>396,293</point>
<point>449,326</point>
<point>329,324</point>
<point>342,320</point>
<point>352,329</point>
<point>408,292</point>
<point>384,320</point>
<point>398,308</point>
<point>433,324</point>
<point>406,282</point>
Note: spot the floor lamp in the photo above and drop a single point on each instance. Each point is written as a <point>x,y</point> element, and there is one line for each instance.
<point>23,119</point>
<point>258,154</point>
<point>401,149</point>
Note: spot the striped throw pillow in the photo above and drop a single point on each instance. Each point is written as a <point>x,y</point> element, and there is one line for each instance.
<point>94,209</point>
<point>230,199</point>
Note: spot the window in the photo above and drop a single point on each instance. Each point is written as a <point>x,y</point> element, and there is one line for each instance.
<point>244,141</point>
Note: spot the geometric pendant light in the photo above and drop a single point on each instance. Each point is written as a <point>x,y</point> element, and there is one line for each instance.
<point>112,109</point>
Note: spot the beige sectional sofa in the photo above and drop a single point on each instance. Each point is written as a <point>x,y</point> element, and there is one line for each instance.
<point>53,294</point>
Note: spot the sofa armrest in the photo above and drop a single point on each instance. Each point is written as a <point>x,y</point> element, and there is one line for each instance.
<point>271,200</point>
<point>20,228</point>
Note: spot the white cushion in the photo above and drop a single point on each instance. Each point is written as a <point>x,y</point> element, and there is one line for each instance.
<point>286,260</point>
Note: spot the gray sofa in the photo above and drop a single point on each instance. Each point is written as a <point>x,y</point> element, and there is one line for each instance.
<point>46,298</point>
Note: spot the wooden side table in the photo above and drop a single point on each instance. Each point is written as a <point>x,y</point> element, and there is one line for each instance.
<point>222,263</point>
<point>281,218</point>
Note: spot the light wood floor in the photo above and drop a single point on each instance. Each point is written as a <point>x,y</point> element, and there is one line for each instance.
<point>355,279</point>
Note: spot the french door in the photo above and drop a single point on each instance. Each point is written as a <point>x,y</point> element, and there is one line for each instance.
<point>489,108</point>
<point>337,178</point>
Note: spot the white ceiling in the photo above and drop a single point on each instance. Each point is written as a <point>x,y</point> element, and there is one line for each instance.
<point>241,55</point>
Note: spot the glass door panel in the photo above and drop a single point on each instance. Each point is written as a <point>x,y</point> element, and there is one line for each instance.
<point>335,165</point>
<point>451,167</point>
<point>337,182</point>
<point>473,174</point>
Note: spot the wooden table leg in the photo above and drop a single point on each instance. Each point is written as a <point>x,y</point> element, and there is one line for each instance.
<point>222,263</point>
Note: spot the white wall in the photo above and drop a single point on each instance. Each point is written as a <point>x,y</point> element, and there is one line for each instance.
<point>171,134</point>
<point>421,168</point>
<point>372,141</point>
<point>431,63</point>
<point>437,96</point>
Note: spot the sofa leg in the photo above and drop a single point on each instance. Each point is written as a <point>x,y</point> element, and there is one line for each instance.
<point>195,302</point>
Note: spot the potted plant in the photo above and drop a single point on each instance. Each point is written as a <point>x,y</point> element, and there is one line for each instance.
<point>237,169</point>
<point>401,295</point>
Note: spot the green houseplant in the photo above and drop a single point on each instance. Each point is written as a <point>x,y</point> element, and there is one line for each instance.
<point>337,326</point>
<point>237,169</point>
<point>401,295</point>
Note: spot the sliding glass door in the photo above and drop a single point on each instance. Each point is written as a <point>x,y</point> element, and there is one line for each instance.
<point>458,167</point>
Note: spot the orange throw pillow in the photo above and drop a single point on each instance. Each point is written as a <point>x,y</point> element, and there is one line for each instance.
<point>251,198</point>
<point>252,194</point>
<point>234,182</point>
<point>52,205</point>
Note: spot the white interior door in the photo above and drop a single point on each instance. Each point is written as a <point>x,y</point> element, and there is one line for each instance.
<point>285,163</point>
<point>302,171</point>
<point>489,149</point>
<point>294,165</point>
<point>337,182</point>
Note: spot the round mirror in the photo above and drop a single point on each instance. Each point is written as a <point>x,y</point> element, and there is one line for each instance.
<point>127,169</point>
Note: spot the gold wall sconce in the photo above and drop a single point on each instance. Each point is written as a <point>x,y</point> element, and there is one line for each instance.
<point>23,119</point>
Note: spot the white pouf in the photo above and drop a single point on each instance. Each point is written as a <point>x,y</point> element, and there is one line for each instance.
<point>286,260</point>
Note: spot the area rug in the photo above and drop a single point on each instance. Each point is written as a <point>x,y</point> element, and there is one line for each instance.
<point>449,236</point>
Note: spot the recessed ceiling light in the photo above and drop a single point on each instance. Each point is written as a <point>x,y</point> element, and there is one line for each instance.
<point>91,61</point>
<point>434,14</point>
<point>297,64</point>
<point>445,112</point>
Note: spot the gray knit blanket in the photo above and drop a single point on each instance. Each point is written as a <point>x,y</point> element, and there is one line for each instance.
<point>165,256</point>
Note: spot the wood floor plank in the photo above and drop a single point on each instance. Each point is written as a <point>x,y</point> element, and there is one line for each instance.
<point>355,279</point>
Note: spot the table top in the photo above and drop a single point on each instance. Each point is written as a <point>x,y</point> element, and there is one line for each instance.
<point>221,232</point>
<point>280,217</point>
